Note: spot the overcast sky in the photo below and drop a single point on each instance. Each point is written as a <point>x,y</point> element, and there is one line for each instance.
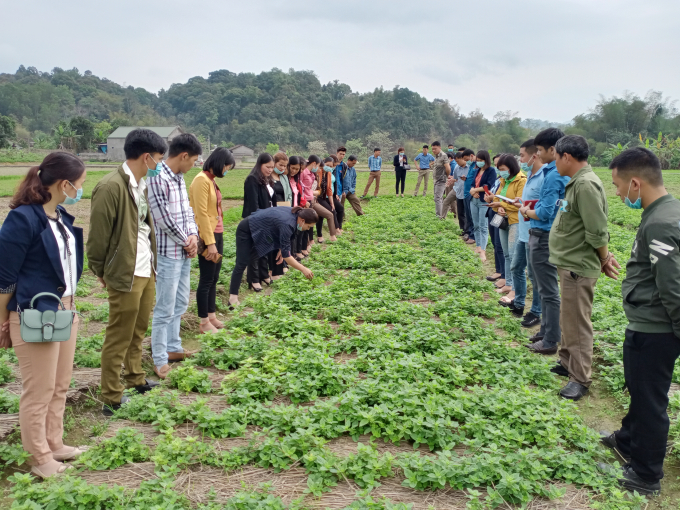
<point>543,59</point>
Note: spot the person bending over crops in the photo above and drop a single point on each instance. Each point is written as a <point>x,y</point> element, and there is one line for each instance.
<point>267,230</point>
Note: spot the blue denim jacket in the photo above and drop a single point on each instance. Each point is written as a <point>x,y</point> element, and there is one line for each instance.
<point>552,190</point>
<point>349,183</point>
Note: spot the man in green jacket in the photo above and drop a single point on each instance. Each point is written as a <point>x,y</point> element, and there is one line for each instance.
<point>651,301</point>
<point>121,251</point>
<point>578,248</point>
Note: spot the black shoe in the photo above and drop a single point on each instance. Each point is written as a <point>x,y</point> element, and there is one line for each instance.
<point>147,386</point>
<point>573,391</point>
<point>609,440</point>
<point>109,409</point>
<point>629,479</point>
<point>505,303</point>
<point>465,237</point>
<point>560,370</point>
<point>535,338</point>
<point>516,311</point>
<point>492,279</point>
<point>539,348</point>
<point>250,286</point>
<point>530,320</point>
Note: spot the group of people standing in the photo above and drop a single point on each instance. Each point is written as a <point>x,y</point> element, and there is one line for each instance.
<point>545,211</point>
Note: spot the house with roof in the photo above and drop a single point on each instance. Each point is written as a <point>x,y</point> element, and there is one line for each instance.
<point>242,153</point>
<point>116,140</point>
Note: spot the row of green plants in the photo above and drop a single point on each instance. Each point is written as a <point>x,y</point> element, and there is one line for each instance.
<point>398,338</point>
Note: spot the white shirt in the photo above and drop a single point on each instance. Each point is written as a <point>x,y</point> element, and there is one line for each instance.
<point>143,263</point>
<point>69,278</point>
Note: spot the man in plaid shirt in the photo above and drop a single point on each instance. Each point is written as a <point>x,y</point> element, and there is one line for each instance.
<point>177,244</point>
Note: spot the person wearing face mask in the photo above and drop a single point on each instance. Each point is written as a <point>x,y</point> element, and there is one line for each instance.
<point>531,165</point>
<point>310,184</point>
<point>43,253</point>
<point>485,175</point>
<point>469,180</point>
<point>121,252</point>
<point>651,302</point>
<point>282,191</point>
<point>326,198</point>
<point>578,248</point>
<point>399,163</point>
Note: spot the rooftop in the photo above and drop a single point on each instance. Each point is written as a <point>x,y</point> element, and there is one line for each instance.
<point>163,132</point>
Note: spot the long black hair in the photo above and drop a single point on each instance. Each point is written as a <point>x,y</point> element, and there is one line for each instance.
<point>262,159</point>
<point>58,166</point>
<point>295,160</point>
<point>216,162</point>
<point>309,216</point>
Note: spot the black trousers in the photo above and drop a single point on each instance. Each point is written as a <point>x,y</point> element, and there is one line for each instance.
<point>276,269</point>
<point>460,206</point>
<point>401,178</point>
<point>246,256</point>
<point>209,273</point>
<point>499,257</point>
<point>301,240</point>
<point>648,361</point>
<point>338,214</point>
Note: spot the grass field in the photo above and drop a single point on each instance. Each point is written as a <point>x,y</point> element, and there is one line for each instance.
<point>393,377</point>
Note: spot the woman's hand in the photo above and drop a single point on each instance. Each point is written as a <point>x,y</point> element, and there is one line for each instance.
<point>279,258</point>
<point>213,254</point>
<point>501,211</point>
<point>488,198</point>
<point>5,340</point>
<point>307,272</point>
<point>475,195</point>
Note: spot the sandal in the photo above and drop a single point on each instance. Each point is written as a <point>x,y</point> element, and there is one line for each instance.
<point>61,470</point>
<point>73,454</point>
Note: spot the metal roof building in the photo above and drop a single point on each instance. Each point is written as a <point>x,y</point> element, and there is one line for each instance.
<point>116,140</point>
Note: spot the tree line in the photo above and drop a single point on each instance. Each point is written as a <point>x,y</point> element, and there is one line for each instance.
<point>294,110</point>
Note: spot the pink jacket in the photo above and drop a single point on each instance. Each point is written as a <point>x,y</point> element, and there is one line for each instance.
<point>307,178</point>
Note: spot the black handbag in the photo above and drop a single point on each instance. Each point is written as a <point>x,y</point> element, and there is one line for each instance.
<point>499,221</point>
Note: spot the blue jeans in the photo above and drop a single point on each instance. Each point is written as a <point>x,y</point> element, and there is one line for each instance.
<point>520,261</point>
<point>508,242</point>
<point>469,226</point>
<point>172,300</point>
<point>479,219</point>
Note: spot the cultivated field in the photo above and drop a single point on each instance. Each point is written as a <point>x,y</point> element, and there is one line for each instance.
<point>394,369</point>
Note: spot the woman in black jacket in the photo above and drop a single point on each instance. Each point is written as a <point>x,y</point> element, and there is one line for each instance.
<point>400,162</point>
<point>258,193</point>
<point>266,231</point>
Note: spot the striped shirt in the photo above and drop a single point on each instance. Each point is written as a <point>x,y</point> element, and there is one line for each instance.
<point>374,164</point>
<point>173,217</point>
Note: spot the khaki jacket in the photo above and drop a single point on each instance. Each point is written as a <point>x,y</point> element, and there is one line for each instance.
<point>112,241</point>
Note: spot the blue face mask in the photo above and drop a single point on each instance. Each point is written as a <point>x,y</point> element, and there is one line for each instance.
<point>327,169</point>
<point>299,227</point>
<point>481,164</point>
<point>153,172</point>
<point>633,205</point>
<point>70,201</point>
<point>468,164</point>
<point>504,174</point>
<point>278,172</point>
<point>314,169</point>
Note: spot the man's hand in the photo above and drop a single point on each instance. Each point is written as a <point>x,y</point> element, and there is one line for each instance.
<point>192,247</point>
<point>344,195</point>
<point>610,266</point>
<point>279,258</point>
<point>213,255</point>
<point>5,340</point>
<point>307,272</point>
<point>523,211</point>
<point>101,282</point>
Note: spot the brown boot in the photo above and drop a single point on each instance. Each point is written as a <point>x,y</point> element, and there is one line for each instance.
<point>162,372</point>
<point>180,356</point>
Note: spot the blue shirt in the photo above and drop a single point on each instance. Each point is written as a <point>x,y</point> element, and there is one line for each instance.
<point>470,179</point>
<point>349,183</point>
<point>532,190</point>
<point>459,186</point>
<point>374,164</point>
<point>424,160</point>
<point>552,190</point>
<point>338,176</point>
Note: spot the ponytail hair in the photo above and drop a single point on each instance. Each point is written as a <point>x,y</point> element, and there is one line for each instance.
<point>57,166</point>
<point>309,216</point>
